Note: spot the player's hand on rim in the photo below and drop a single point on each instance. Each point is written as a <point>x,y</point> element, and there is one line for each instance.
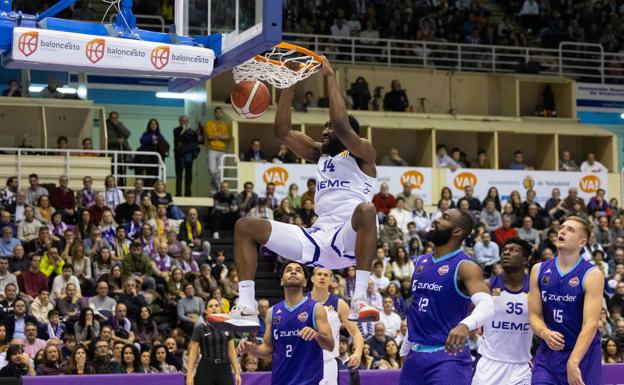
<point>326,68</point>
<point>308,334</point>
<point>553,339</point>
<point>574,374</point>
<point>456,339</point>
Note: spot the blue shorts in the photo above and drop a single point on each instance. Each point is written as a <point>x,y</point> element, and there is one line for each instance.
<point>551,366</point>
<point>437,368</point>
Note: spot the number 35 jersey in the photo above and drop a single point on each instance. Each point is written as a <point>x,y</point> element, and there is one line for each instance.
<point>295,361</point>
<point>438,305</point>
<point>563,297</point>
<point>341,186</point>
<point>507,336</point>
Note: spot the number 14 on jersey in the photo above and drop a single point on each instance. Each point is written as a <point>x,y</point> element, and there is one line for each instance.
<point>328,165</point>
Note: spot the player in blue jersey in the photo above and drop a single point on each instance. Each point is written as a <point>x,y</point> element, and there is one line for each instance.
<point>296,334</point>
<point>345,232</point>
<point>337,316</point>
<point>564,304</point>
<point>444,284</point>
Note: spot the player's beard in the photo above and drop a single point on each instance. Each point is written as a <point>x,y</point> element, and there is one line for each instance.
<point>439,237</point>
<point>333,147</point>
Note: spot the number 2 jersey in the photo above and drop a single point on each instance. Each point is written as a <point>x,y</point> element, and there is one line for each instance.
<point>507,336</point>
<point>340,187</point>
<point>295,361</point>
<point>563,296</point>
<point>438,305</point>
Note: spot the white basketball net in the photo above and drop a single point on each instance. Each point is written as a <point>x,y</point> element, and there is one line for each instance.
<point>280,67</point>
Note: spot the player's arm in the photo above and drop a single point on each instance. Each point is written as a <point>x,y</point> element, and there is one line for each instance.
<point>339,118</point>
<point>354,332</point>
<point>298,142</point>
<point>471,276</point>
<point>265,348</point>
<point>592,305</point>
<point>323,334</point>
<point>553,339</point>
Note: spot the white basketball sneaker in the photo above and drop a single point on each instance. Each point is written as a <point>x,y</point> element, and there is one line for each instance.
<point>361,311</point>
<point>240,320</point>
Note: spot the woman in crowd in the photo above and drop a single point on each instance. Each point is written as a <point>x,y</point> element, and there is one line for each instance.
<point>103,263</point>
<point>87,329</point>
<point>113,196</point>
<point>391,233</point>
<point>223,302</point>
<point>493,194</point>
<point>230,284</point>
<point>84,226</point>
<point>17,363</point>
<point>415,249</point>
<point>58,227</point>
<point>402,267</point>
<point>205,283</point>
<point>147,208</point>
<point>175,286</point>
<point>116,281</point>
<point>400,307</point>
<point>285,212</point>
<point>186,261</point>
<point>51,364</point>
<point>174,246</point>
<point>4,342</point>
<point>161,196</point>
<point>82,268</point>
<point>109,227</point>
<point>447,194</point>
<point>516,203</point>
<point>78,363</point>
<point>44,210</point>
<point>612,352</point>
<point>148,241</point>
<point>153,141</point>
<point>293,196</point>
<point>159,360</point>
<point>390,359</point>
<point>366,361</point>
<point>145,329</point>
<point>146,362</point>
<point>130,359</point>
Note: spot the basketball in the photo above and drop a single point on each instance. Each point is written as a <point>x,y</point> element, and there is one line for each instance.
<point>250,98</point>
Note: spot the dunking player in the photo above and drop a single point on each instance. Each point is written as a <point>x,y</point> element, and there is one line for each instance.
<point>443,284</point>
<point>564,306</point>
<point>506,347</point>
<point>337,315</point>
<point>345,232</point>
<point>297,332</point>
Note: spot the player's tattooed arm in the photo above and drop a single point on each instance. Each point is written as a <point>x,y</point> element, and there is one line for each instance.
<point>296,141</point>
<point>594,289</point>
<point>324,334</point>
<point>339,118</point>
<point>553,339</point>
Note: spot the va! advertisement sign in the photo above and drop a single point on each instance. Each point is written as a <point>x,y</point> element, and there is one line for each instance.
<point>506,181</point>
<point>283,175</point>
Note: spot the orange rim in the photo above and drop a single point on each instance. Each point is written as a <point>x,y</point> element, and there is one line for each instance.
<point>294,47</point>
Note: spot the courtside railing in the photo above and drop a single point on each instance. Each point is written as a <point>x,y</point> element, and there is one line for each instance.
<point>150,164</point>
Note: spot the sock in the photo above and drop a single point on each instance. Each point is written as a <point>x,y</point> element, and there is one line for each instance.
<point>247,294</point>
<point>361,283</point>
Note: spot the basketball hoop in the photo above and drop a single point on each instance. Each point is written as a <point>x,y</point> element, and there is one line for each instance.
<point>283,66</point>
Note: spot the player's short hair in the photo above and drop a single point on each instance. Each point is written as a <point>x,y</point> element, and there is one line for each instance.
<point>527,249</point>
<point>466,222</point>
<point>306,272</point>
<point>353,122</point>
<point>585,225</point>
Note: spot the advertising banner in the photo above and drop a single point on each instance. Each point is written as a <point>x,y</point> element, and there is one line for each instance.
<point>599,97</point>
<point>507,181</point>
<point>283,175</point>
<point>41,46</point>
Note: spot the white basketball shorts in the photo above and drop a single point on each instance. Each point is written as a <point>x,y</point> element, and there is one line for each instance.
<point>490,372</point>
<point>326,244</point>
<point>330,372</point>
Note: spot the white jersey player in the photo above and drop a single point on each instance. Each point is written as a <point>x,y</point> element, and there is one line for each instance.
<point>345,233</point>
<point>506,344</point>
<point>337,316</point>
